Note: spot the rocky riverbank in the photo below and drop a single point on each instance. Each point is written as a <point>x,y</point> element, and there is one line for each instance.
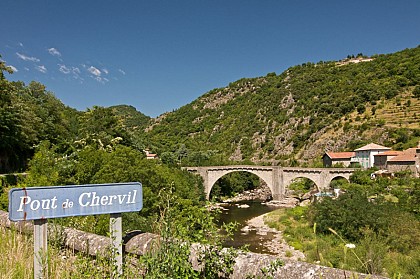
<point>263,194</point>
<point>278,245</point>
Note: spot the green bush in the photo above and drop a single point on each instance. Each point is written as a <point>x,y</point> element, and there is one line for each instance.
<point>91,165</point>
<point>351,213</point>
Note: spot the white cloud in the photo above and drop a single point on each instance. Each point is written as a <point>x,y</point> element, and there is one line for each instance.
<point>64,69</point>
<point>54,52</point>
<point>26,69</point>
<point>96,74</point>
<point>13,68</point>
<point>41,68</point>
<point>27,58</point>
<point>99,79</point>
<point>76,71</point>
<point>20,44</point>
<point>121,71</point>
<point>94,71</point>
<point>105,71</point>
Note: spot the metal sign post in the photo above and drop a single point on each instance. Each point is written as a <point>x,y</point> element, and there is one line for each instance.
<point>115,228</point>
<point>41,203</point>
<point>40,248</point>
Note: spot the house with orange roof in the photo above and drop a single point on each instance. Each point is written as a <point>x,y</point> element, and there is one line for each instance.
<point>333,158</point>
<point>365,154</point>
<point>381,159</point>
<point>407,160</point>
<point>378,156</point>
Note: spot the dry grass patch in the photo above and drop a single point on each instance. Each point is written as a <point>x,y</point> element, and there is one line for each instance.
<point>16,252</point>
<point>16,257</point>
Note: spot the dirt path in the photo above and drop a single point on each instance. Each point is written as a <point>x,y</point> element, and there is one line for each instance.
<point>277,246</point>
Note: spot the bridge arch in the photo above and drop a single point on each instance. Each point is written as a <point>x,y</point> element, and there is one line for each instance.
<point>337,177</point>
<point>217,175</point>
<point>317,176</point>
<point>211,174</point>
<point>315,187</point>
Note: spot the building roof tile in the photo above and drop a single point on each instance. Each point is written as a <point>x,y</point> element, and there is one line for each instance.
<point>372,146</point>
<point>403,158</point>
<point>389,153</point>
<point>408,155</point>
<point>340,155</point>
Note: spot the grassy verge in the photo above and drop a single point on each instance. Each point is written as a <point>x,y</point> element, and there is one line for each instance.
<point>16,260</point>
<point>370,255</point>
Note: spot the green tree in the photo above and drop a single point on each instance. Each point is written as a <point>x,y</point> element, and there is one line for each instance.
<point>100,126</point>
<point>350,214</point>
<point>91,165</point>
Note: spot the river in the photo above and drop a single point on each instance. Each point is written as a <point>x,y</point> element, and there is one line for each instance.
<point>256,242</point>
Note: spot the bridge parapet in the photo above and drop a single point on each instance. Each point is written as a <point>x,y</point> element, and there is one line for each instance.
<point>341,170</point>
<point>334,170</point>
<point>231,167</point>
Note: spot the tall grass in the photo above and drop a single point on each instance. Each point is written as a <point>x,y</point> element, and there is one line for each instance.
<point>16,260</point>
<point>16,253</point>
<point>17,257</point>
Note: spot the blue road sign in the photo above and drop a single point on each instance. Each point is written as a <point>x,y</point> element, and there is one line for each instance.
<point>74,200</point>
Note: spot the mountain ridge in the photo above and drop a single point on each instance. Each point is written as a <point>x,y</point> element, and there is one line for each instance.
<point>281,119</point>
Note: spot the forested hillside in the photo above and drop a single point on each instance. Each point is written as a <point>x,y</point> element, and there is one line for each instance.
<point>29,114</point>
<point>294,117</point>
<point>287,119</point>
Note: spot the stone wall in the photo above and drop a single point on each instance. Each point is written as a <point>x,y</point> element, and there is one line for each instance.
<point>247,265</point>
<point>401,166</point>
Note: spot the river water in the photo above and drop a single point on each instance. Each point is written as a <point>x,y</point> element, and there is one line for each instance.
<point>254,241</point>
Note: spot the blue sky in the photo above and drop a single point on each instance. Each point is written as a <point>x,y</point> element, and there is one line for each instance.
<point>160,55</point>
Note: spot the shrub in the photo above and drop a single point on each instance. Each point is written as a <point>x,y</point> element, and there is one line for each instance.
<point>350,214</point>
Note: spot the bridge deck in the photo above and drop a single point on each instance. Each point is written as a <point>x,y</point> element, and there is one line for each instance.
<point>256,167</point>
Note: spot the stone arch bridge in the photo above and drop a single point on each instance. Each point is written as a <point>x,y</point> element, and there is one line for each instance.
<point>277,178</point>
